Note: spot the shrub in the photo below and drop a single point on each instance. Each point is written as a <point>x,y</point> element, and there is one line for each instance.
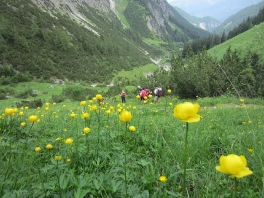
<point>57,98</point>
<point>30,104</point>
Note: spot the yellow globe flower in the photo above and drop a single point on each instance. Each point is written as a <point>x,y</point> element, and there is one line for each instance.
<point>163,178</point>
<point>73,115</point>
<point>242,100</point>
<point>83,103</point>
<point>149,96</point>
<point>85,115</point>
<point>26,107</point>
<point>86,130</point>
<point>99,97</point>
<point>57,157</point>
<point>33,118</point>
<point>132,128</point>
<point>49,146</point>
<point>187,112</point>
<point>234,165</point>
<point>68,141</point>
<point>68,160</point>
<point>21,113</point>
<point>169,91</point>
<point>93,108</point>
<point>125,116</point>
<point>22,124</point>
<point>37,149</point>
<point>170,104</point>
<point>9,111</point>
<point>138,96</point>
<point>108,112</point>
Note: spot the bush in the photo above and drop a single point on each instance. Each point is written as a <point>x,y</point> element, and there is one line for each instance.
<point>31,104</point>
<point>78,93</point>
<point>57,98</point>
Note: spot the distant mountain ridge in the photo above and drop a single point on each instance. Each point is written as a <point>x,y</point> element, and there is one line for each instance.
<point>219,9</point>
<point>236,19</point>
<point>206,23</point>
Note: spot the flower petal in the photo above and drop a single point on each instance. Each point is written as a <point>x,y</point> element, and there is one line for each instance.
<point>244,172</point>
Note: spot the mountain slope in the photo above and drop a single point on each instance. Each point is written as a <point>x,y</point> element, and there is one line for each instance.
<point>236,19</point>
<point>206,23</point>
<point>87,40</point>
<point>251,40</point>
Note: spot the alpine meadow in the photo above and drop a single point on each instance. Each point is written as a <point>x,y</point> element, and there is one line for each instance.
<point>130,98</point>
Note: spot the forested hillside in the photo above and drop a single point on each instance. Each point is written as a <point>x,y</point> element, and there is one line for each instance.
<point>55,46</point>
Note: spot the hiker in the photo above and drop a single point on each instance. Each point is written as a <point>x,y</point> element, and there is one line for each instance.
<point>147,91</point>
<point>142,95</point>
<point>157,93</point>
<point>123,96</point>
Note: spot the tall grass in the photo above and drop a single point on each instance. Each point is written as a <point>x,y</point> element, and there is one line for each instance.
<point>93,164</point>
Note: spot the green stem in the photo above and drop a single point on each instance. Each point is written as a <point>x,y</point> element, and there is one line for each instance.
<point>235,194</point>
<point>125,160</point>
<point>185,159</point>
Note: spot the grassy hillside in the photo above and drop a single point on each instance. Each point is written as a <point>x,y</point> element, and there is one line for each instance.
<point>252,40</point>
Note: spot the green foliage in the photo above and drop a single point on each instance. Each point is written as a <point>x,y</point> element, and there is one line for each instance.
<point>78,93</point>
<point>57,98</point>
<point>203,76</point>
<point>30,103</point>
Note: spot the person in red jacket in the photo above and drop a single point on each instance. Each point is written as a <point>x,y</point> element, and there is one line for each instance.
<point>142,95</point>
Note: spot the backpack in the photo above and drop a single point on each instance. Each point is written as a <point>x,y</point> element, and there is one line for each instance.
<point>159,92</point>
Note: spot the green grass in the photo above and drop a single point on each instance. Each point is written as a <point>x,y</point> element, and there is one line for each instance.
<point>111,160</point>
<point>138,72</point>
<point>120,6</point>
<point>252,40</point>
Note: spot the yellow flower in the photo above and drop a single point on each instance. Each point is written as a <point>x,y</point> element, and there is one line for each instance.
<point>132,128</point>
<point>47,104</point>
<point>93,108</point>
<point>49,146</point>
<point>187,112</point>
<point>86,130</point>
<point>64,106</point>
<point>249,122</point>
<point>234,165</point>
<point>68,141</point>
<point>33,118</point>
<point>169,91</point>
<point>37,149</point>
<point>47,108</point>
<point>68,160</point>
<point>99,97</point>
<point>22,124</point>
<point>57,157</point>
<point>170,104</point>
<point>138,96</point>
<point>26,107</point>
<point>83,103</point>
<point>250,150</point>
<point>85,115</point>
<point>108,112</point>
<point>125,116</point>
<point>242,100</point>
<point>21,113</point>
<point>163,178</point>
<point>73,115</point>
<point>9,111</point>
<point>57,139</point>
<point>149,96</point>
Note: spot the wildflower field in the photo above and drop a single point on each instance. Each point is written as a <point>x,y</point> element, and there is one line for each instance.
<point>174,148</point>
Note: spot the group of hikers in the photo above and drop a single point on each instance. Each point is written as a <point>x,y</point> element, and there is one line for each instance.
<point>144,94</point>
